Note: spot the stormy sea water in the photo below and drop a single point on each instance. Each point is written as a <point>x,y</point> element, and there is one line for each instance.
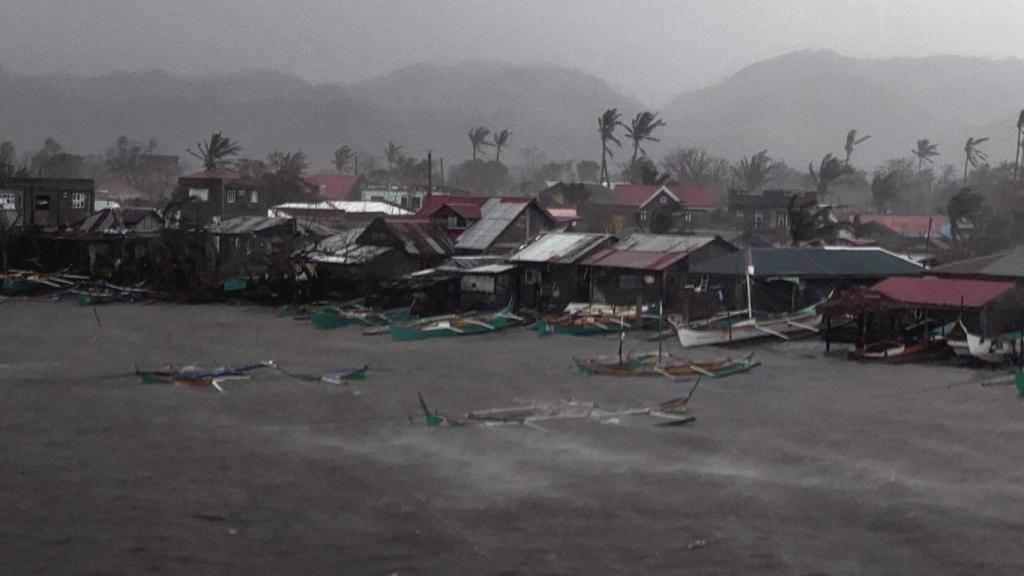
<point>809,464</point>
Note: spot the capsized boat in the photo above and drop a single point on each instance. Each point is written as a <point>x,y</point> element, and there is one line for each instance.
<point>455,325</point>
<point>198,376</point>
<point>747,326</point>
<point>668,366</point>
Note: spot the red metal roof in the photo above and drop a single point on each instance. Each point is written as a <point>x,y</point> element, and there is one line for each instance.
<point>944,292</point>
<point>334,186</point>
<point>465,206</point>
<point>633,259</point>
<point>910,225</point>
<point>640,194</point>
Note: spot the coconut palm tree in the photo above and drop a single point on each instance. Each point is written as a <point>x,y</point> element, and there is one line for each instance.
<point>478,139</point>
<point>393,154</point>
<point>965,205</point>
<point>829,170</point>
<point>499,142</point>
<point>641,129</point>
<point>342,157</point>
<point>606,125</point>
<point>809,222</point>
<point>754,172</point>
<point>216,152</point>
<point>851,141</point>
<point>973,155</point>
<point>925,151</point>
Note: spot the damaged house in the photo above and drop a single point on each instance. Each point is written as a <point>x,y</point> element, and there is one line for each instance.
<point>504,225</point>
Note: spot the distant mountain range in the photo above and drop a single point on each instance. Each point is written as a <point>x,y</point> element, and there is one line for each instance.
<point>798,106</point>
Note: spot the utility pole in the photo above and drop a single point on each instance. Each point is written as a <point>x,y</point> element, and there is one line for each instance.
<point>430,173</point>
<point>442,171</point>
<point>357,164</point>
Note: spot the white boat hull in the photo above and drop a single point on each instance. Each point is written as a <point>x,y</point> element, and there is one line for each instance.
<point>991,351</point>
<point>749,329</point>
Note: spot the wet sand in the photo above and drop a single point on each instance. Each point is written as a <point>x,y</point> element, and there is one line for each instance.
<point>810,464</point>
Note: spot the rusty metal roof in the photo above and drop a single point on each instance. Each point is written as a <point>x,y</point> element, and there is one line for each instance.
<point>942,292</point>
<point>421,237</point>
<point>561,247</point>
<point>633,259</point>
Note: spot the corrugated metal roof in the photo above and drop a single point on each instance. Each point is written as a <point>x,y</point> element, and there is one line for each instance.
<point>351,255</point>
<point>497,215</point>
<point>247,225</point>
<point>1005,264</point>
<point>810,262</point>
<point>560,247</point>
<point>354,206</point>
<point>421,237</point>
<point>663,242</point>
<point>633,259</point>
<point>944,292</point>
<point>491,269</point>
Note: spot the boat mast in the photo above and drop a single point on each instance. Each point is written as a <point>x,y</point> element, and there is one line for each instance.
<point>749,271</point>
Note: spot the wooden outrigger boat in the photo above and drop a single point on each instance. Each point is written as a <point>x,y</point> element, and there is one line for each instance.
<point>673,412</point>
<point>331,317</point>
<point>735,328</point>
<point>455,325</point>
<point>996,350</point>
<point>336,377</point>
<point>668,366</point>
<point>581,325</point>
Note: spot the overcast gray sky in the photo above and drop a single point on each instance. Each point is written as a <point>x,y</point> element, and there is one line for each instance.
<point>652,49</point>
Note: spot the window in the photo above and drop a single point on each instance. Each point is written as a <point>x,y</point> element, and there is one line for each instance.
<point>78,200</point>
<point>739,214</point>
<point>454,222</point>
<point>7,201</point>
<point>643,215</point>
<point>758,219</point>
<point>663,199</point>
<point>241,195</point>
<point>254,196</point>
<point>688,216</point>
<point>416,202</point>
<point>781,219</point>
<point>376,198</point>
<point>42,202</point>
<point>231,196</point>
<point>199,194</point>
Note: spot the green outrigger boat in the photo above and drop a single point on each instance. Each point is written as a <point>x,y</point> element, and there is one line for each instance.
<point>455,325</point>
<point>331,317</point>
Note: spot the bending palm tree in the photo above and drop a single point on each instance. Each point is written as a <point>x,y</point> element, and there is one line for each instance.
<point>499,142</point>
<point>342,156</point>
<point>829,170</point>
<point>925,151</point>
<point>215,152</point>
<point>478,139</point>
<point>641,129</point>
<point>972,155</point>
<point>606,125</point>
<point>851,141</point>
